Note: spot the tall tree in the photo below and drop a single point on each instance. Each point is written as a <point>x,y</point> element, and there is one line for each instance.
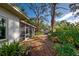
<point>40,12</point>
<point>54,13</point>
<point>53,8</point>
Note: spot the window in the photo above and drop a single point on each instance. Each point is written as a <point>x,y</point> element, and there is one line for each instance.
<point>2,27</point>
<point>27,32</point>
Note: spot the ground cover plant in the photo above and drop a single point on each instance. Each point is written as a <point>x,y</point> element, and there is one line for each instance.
<point>13,49</point>
<point>66,40</point>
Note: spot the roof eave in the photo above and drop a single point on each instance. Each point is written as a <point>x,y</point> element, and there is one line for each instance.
<point>14,10</point>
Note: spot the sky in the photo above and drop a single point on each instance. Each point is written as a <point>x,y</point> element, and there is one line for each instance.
<point>66,14</point>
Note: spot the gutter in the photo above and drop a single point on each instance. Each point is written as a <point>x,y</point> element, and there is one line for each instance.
<point>16,12</point>
<point>27,23</point>
<point>13,10</point>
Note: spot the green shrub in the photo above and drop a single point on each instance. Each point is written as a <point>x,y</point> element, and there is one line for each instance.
<point>65,50</point>
<point>68,37</point>
<point>39,33</point>
<point>12,49</point>
<point>76,38</point>
<point>68,40</point>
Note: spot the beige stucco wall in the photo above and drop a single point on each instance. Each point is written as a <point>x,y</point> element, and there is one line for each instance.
<point>13,31</point>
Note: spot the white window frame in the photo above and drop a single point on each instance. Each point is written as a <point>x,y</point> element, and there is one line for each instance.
<point>27,34</point>
<point>6,29</point>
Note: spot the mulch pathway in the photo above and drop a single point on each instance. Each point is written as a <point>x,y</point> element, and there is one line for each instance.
<point>41,46</point>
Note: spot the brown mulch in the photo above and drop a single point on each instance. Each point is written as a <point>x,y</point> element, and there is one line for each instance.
<point>41,46</point>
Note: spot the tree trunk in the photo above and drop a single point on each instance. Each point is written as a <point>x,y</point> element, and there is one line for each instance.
<point>53,7</point>
<point>37,25</point>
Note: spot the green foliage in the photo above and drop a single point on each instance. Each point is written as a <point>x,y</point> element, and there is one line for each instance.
<point>11,49</point>
<point>67,32</point>
<point>68,35</point>
<point>31,21</point>
<point>65,50</point>
<point>67,39</point>
<point>39,33</point>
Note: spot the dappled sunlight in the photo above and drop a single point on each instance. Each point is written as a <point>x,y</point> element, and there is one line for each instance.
<point>17,23</point>
<point>40,46</point>
<point>28,24</point>
<point>16,35</point>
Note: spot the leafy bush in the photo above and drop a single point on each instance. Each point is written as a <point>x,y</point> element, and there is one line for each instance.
<point>39,33</point>
<point>68,40</point>
<point>68,36</point>
<point>65,50</point>
<point>12,49</point>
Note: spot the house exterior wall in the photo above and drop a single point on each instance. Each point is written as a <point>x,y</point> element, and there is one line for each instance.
<point>26,31</point>
<point>13,25</point>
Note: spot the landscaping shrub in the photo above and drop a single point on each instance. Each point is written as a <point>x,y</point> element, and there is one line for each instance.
<point>65,49</point>
<point>12,49</point>
<point>68,39</point>
<point>39,33</point>
<point>68,42</point>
